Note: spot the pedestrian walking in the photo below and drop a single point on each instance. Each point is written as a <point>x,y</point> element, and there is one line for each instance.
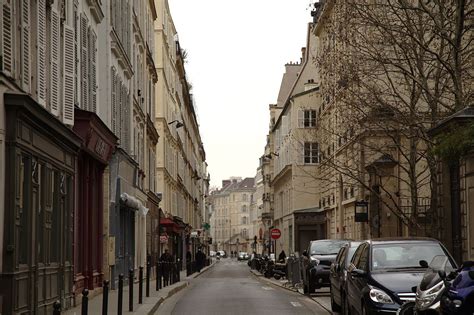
<point>166,260</point>
<point>200,260</point>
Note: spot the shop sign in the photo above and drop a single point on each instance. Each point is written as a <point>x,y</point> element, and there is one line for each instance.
<point>164,239</point>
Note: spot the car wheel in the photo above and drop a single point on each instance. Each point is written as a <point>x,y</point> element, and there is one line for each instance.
<point>334,306</point>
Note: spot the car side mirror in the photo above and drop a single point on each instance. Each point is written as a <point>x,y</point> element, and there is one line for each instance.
<point>413,289</point>
<point>358,273</point>
<point>305,253</point>
<point>423,263</point>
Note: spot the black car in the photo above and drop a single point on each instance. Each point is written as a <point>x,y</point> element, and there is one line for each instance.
<point>319,257</point>
<point>383,273</point>
<point>338,274</point>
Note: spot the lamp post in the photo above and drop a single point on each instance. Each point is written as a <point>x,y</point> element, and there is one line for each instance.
<point>178,123</point>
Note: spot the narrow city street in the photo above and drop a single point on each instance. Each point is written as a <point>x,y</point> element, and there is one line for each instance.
<point>230,288</point>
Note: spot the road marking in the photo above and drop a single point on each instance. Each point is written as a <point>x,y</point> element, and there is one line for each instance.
<point>296,304</point>
<point>267,288</point>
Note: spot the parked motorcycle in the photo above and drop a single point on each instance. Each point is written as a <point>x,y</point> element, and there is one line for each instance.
<point>433,285</point>
<point>279,271</point>
<point>459,296</point>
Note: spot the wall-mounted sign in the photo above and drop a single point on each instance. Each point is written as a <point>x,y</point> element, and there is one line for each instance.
<point>164,239</point>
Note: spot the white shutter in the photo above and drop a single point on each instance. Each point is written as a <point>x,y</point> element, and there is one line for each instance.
<point>300,118</point>
<point>69,65</point>
<point>92,72</point>
<point>300,152</point>
<point>41,43</point>
<point>84,63</point>
<point>113,100</point>
<point>7,39</point>
<point>25,45</point>
<point>54,75</point>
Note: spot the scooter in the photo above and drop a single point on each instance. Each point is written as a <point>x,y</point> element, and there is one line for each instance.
<point>433,285</point>
<point>459,296</point>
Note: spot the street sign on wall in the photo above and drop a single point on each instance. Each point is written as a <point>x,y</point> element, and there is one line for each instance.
<point>163,239</point>
<point>275,234</point>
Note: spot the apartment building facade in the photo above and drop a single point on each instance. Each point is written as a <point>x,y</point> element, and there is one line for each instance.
<point>69,160</point>
<point>180,162</point>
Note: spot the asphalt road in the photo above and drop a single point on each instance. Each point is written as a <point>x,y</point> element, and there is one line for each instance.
<point>230,288</point>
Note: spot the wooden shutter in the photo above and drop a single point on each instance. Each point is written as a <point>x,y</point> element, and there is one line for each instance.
<point>25,45</point>
<point>92,71</point>
<point>69,66</point>
<point>41,43</point>
<point>54,75</point>
<point>7,39</point>
<point>84,64</point>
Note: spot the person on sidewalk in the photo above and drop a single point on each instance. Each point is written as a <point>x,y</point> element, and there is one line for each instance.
<point>282,256</point>
<point>166,260</point>
<point>200,260</point>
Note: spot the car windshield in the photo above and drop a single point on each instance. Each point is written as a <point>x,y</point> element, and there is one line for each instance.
<point>326,247</point>
<point>405,255</point>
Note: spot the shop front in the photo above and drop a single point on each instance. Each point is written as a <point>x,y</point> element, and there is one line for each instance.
<point>40,157</point>
<point>98,144</point>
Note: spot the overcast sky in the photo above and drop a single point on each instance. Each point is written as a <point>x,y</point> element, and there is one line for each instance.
<point>236,56</point>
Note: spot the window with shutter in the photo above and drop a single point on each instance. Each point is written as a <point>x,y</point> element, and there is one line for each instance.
<point>7,42</point>
<point>113,88</point>
<point>25,45</point>
<point>300,118</point>
<point>84,64</point>
<point>76,52</point>
<point>54,55</point>
<point>92,71</point>
<point>69,76</point>
<point>41,43</point>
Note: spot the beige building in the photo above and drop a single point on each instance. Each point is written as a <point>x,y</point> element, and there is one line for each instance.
<point>181,170</point>
<point>231,215</point>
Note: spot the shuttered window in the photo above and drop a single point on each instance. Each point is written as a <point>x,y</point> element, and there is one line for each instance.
<point>92,52</point>
<point>113,88</point>
<point>25,45</point>
<point>7,40</point>
<point>69,76</point>
<point>41,43</point>
<point>84,64</point>
<point>54,62</point>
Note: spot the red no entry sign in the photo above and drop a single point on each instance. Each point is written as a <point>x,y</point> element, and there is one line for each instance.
<point>275,233</point>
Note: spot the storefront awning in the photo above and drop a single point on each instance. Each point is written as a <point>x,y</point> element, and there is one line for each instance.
<point>133,203</point>
<point>167,222</point>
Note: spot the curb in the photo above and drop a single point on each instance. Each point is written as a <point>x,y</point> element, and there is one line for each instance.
<point>170,294</point>
<point>260,276</point>
<point>203,270</point>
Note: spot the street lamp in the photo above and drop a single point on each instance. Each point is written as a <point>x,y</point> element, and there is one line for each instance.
<point>178,123</point>
<point>269,155</point>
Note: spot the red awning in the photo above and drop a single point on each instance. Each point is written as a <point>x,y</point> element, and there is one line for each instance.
<point>167,222</point>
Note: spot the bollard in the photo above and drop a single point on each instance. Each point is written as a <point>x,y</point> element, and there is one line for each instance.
<point>57,308</point>
<point>148,271</point>
<point>105,297</point>
<point>85,302</point>
<point>130,290</point>
<point>140,285</point>
<point>178,274</point>
<point>158,276</point>
<point>120,295</point>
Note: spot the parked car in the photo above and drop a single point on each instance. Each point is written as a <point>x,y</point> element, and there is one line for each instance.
<point>212,253</point>
<point>384,272</point>
<point>317,262</point>
<point>222,253</point>
<point>243,256</point>
<point>338,274</point>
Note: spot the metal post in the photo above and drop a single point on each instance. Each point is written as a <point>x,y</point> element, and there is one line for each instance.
<point>158,276</point>
<point>120,295</point>
<point>130,290</point>
<point>85,302</point>
<point>57,308</point>
<point>140,285</point>
<point>178,273</point>
<point>148,271</point>
<point>105,297</point>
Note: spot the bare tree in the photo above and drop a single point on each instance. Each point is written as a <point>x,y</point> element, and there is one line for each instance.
<point>390,70</point>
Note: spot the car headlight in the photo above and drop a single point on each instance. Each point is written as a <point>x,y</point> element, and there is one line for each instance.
<point>314,261</point>
<point>425,299</point>
<point>379,296</point>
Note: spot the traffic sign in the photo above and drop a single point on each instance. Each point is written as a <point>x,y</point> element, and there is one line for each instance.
<point>275,233</point>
